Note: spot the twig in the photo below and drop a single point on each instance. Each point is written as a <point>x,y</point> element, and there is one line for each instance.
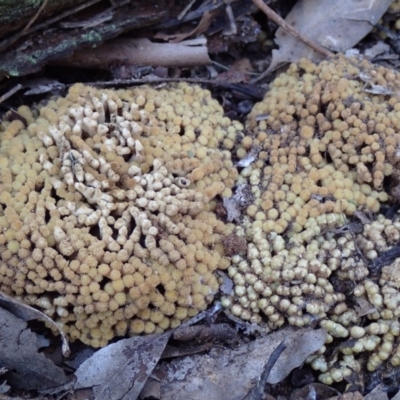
<point>28,25</point>
<point>63,15</point>
<point>231,30</point>
<point>385,258</point>
<point>12,91</point>
<point>130,52</point>
<point>221,65</point>
<point>185,10</point>
<point>35,17</point>
<point>257,393</point>
<point>91,22</point>
<point>207,6</point>
<point>289,28</point>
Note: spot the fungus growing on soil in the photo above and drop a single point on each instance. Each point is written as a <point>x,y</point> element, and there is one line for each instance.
<point>106,202</point>
<point>327,147</point>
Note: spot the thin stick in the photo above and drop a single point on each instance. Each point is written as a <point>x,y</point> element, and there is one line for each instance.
<point>66,13</point>
<point>9,41</point>
<point>258,391</point>
<point>35,17</point>
<point>12,40</point>
<point>12,91</point>
<point>289,28</point>
<point>185,10</point>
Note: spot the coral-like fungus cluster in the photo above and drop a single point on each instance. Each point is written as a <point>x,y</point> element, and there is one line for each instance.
<point>105,208</point>
<point>324,144</point>
<point>368,321</point>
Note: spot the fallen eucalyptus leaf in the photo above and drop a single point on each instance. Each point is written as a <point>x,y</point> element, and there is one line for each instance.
<point>120,370</point>
<point>321,391</point>
<point>336,25</point>
<point>378,89</point>
<point>28,313</point>
<point>28,369</point>
<point>209,376</point>
<point>4,388</point>
<point>43,85</point>
<point>378,49</point>
<point>378,393</point>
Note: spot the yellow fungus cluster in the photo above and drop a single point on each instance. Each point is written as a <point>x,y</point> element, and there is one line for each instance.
<point>320,149</point>
<point>369,323</point>
<point>106,219</point>
<point>323,144</point>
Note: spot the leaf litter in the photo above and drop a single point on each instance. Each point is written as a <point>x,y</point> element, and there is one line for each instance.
<point>27,368</point>
<point>208,357</point>
<point>120,370</point>
<point>225,373</point>
<point>336,25</point>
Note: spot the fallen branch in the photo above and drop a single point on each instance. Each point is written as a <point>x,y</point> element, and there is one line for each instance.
<point>140,52</point>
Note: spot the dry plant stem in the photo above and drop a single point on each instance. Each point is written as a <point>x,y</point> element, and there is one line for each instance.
<point>35,17</point>
<point>289,28</point>
<point>185,10</point>
<point>63,15</point>
<point>11,92</point>
<point>139,52</point>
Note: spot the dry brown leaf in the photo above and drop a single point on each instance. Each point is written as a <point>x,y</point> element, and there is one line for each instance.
<point>238,72</point>
<point>28,313</point>
<point>28,369</point>
<point>203,25</point>
<point>120,370</point>
<point>336,25</point>
<point>314,390</point>
<point>363,307</point>
<point>231,374</point>
<point>349,396</point>
<point>378,393</point>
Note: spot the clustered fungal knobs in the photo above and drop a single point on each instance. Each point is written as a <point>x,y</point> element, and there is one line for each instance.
<point>106,202</point>
<point>327,146</point>
<point>108,213</point>
<point>368,321</point>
